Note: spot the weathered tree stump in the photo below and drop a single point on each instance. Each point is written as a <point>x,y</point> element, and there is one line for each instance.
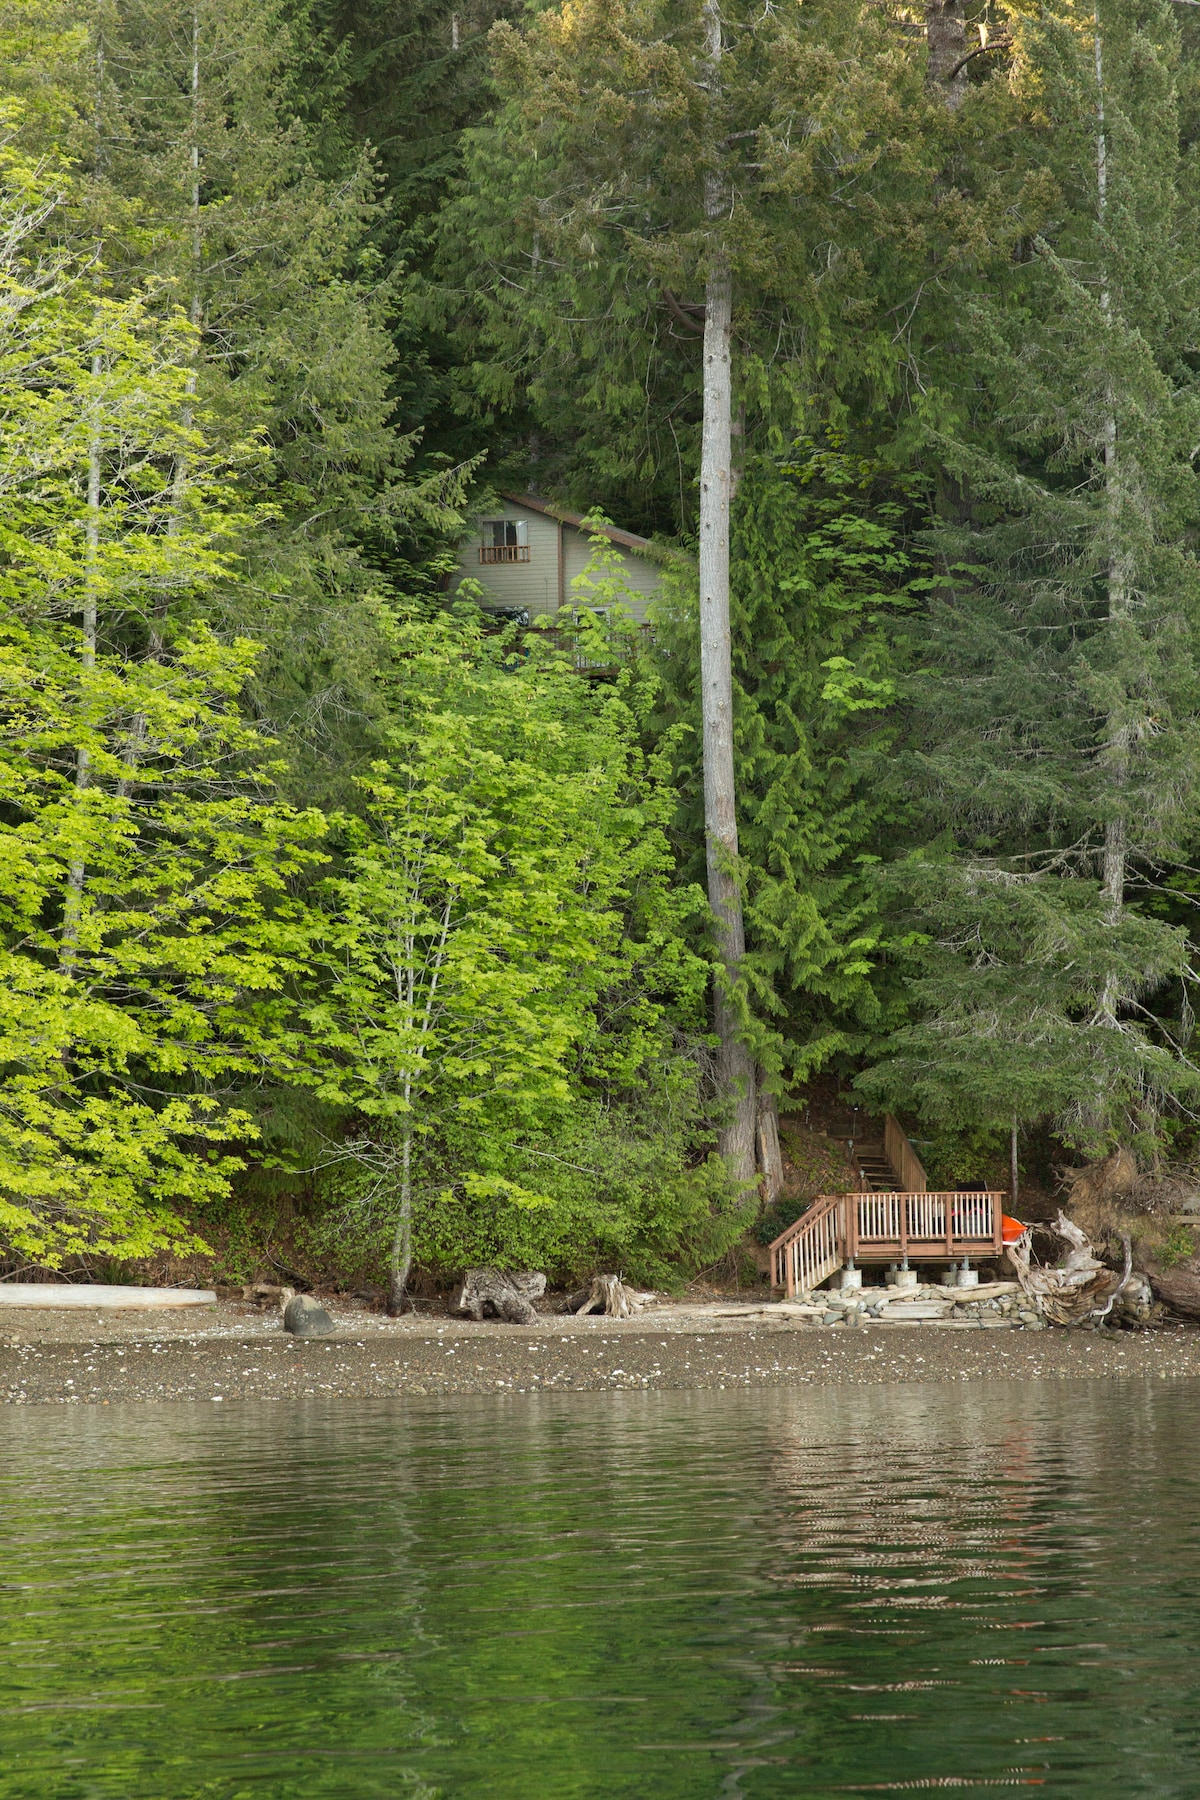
<point>1135,1302</point>
<point>505,1294</point>
<point>607,1294</point>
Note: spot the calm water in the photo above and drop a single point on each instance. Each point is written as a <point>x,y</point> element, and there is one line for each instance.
<point>656,1595</point>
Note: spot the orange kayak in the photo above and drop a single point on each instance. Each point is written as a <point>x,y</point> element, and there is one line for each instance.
<point>1011,1229</point>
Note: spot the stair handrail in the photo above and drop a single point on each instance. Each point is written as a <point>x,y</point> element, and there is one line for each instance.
<point>903,1158</point>
<point>822,1204</point>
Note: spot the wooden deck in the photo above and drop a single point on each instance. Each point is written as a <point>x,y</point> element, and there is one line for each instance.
<point>892,1218</point>
<point>885,1228</point>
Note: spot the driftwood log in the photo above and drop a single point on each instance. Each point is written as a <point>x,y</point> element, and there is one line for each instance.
<point>506,1294</point>
<point>1078,1288</point>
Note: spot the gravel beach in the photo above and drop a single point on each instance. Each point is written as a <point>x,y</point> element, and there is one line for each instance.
<point>237,1352</point>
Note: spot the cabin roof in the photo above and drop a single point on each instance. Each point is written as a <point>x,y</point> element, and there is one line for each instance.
<point>629,540</point>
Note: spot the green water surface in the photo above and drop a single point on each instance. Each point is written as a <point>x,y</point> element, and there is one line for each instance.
<point>664,1595</point>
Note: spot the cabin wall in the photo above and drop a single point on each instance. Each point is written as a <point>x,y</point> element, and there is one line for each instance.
<point>532,584</point>
<point>641,575</point>
<point>537,585</point>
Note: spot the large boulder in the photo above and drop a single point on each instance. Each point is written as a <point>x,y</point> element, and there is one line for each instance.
<point>305,1317</point>
<point>506,1294</point>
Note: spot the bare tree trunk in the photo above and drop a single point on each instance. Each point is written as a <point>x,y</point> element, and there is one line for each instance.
<point>401,1258</point>
<point>736,1066</point>
<point>946,37</point>
<point>1012,1161</point>
<point>770,1155</point>
<point>76,873</point>
<point>1117,733</point>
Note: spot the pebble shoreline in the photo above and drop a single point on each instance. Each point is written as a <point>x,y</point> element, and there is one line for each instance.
<point>240,1354</point>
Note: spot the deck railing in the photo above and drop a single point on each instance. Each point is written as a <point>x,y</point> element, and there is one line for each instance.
<point>881,1227</point>
<point>903,1157</point>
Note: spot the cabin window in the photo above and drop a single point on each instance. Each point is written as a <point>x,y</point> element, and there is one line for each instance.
<point>504,540</point>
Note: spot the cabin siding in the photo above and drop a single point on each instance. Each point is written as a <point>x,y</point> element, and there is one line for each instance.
<point>641,575</point>
<point>557,554</point>
<point>533,584</point>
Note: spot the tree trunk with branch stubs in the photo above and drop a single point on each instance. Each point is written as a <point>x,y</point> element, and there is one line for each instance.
<point>946,40</point>
<point>1118,736</point>
<point>735,1063</point>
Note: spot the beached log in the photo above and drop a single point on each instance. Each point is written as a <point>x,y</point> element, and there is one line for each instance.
<point>505,1294</point>
<point>84,1293</point>
<point>1177,1286</point>
<point>268,1293</point>
<point>1078,1288</point>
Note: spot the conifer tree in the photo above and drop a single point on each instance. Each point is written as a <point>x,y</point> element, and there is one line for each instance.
<point>664,205</point>
<point>1060,704</point>
<point>821,594</point>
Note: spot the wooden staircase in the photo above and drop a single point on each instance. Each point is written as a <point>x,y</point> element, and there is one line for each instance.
<point>891,1217</point>
<point>870,1162</point>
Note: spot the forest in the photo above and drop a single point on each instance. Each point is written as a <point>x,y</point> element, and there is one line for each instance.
<point>345,924</point>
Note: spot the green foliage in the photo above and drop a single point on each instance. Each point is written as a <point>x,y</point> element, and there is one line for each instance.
<point>575,247</point>
<point>622,1187</point>
<point>1058,710</point>
<point>204,167</point>
<point>503,948</point>
<point>250,251</point>
<point>144,924</point>
<point>1178,1245</point>
<point>819,581</point>
<point>1007,1021</point>
<point>144,910</point>
<point>954,1153</point>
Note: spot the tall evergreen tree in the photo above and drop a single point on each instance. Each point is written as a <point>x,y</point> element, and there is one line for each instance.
<point>407,81</point>
<point>666,206</point>
<point>1059,704</point>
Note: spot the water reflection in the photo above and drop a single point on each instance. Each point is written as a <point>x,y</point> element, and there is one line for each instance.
<point>808,1593</point>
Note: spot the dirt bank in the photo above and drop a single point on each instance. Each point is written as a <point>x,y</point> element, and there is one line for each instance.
<point>236,1353</point>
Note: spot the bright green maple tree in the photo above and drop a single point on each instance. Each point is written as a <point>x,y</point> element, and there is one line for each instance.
<point>145,922</point>
<point>504,933</point>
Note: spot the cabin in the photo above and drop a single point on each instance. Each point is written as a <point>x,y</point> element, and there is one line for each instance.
<point>526,553</point>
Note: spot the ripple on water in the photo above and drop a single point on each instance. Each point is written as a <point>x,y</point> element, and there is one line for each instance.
<point>677,1595</point>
